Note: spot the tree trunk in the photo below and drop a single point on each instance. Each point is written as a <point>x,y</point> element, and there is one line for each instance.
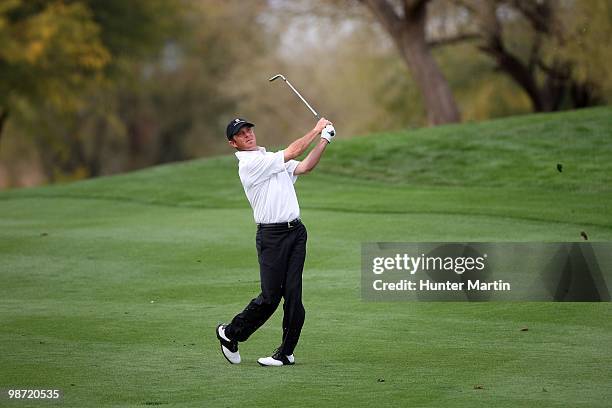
<point>4,112</point>
<point>408,33</point>
<point>433,86</point>
<point>583,95</point>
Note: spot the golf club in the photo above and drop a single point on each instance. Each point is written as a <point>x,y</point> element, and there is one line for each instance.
<point>329,128</point>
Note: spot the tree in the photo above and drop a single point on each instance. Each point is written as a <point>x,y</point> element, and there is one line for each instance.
<point>557,52</point>
<point>50,52</point>
<point>586,49</point>
<point>61,58</point>
<point>165,103</point>
<point>405,23</point>
<point>536,42</point>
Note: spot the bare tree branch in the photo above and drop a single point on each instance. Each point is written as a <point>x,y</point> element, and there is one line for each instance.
<point>383,10</point>
<point>440,42</point>
<point>506,61</point>
<point>538,13</point>
<point>413,9</point>
<point>555,71</point>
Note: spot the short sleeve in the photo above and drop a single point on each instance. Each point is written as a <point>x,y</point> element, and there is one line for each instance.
<point>261,168</point>
<point>290,167</point>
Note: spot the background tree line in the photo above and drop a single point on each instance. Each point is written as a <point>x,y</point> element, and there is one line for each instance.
<point>94,87</point>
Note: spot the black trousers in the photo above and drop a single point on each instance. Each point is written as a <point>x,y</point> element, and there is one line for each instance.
<point>281,252</point>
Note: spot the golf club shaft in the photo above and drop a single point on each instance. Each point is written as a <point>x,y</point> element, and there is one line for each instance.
<point>302,98</point>
<point>329,129</point>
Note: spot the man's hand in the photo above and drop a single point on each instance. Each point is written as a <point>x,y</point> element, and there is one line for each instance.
<point>328,133</point>
<point>326,130</point>
<point>321,125</point>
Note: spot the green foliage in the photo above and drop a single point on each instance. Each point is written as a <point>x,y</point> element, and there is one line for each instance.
<point>556,50</point>
<point>481,91</point>
<point>586,44</point>
<point>137,28</point>
<point>61,61</point>
<point>174,104</point>
<point>48,55</point>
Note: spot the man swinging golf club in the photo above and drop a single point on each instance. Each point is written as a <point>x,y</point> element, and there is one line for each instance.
<point>268,180</point>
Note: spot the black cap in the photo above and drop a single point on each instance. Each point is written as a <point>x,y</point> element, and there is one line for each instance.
<point>235,125</point>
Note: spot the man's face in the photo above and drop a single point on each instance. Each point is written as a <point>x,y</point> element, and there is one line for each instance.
<point>244,139</point>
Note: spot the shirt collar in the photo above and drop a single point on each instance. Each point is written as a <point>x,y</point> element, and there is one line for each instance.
<point>244,153</point>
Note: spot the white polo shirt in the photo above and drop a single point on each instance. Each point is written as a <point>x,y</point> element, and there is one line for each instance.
<point>268,183</point>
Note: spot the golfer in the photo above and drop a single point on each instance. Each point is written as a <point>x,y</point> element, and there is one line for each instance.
<point>268,180</point>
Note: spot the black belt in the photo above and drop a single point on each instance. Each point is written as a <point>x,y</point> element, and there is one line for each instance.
<point>288,224</point>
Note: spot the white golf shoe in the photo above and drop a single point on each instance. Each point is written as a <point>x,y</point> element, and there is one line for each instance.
<point>229,348</point>
<point>276,360</point>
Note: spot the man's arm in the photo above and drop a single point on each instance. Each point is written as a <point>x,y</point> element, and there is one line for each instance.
<point>311,161</point>
<point>299,146</point>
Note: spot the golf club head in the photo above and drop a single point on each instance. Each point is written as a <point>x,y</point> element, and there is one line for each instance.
<point>277,76</point>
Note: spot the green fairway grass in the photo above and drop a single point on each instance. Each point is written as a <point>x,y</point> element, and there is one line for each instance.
<point>111,288</point>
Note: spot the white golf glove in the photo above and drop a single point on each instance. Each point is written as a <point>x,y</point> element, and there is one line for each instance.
<point>328,133</point>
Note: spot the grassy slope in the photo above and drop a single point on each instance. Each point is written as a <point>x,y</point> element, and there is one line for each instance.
<point>82,262</point>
